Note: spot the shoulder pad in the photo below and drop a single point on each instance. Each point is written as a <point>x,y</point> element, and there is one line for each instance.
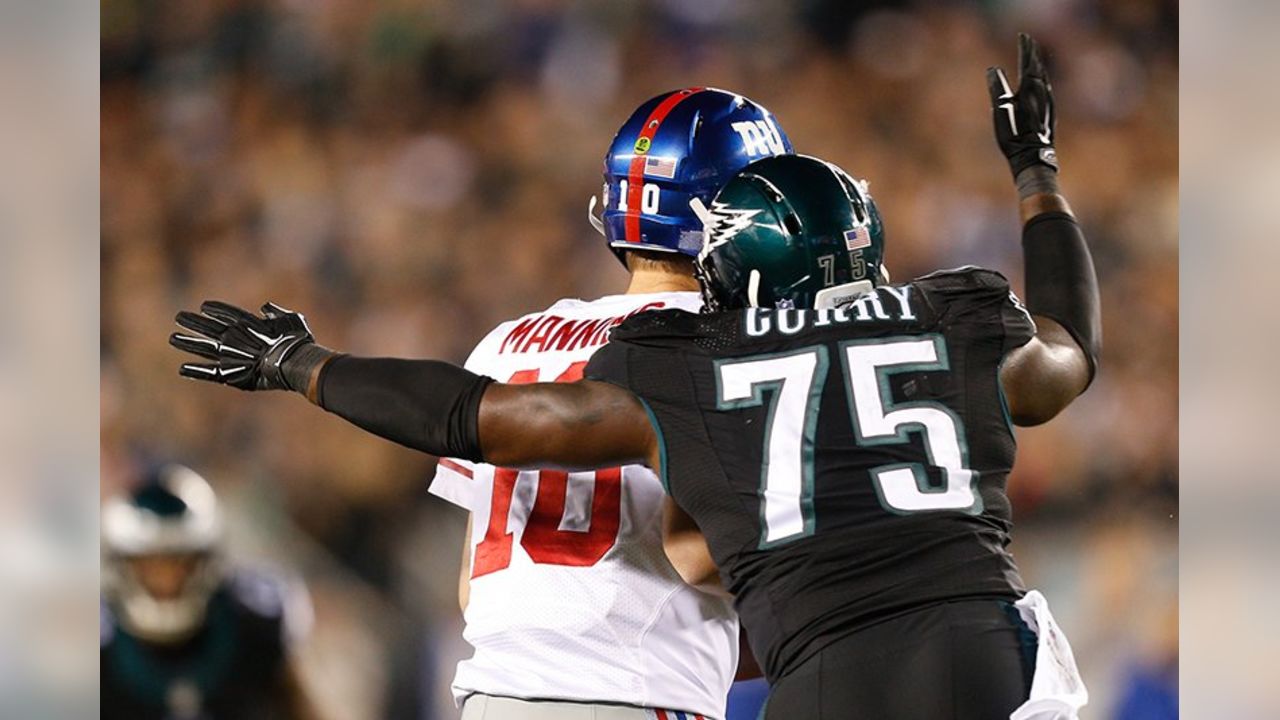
<point>965,277</point>
<point>975,297</point>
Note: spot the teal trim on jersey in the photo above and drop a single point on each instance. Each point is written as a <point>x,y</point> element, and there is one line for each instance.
<point>1004,401</point>
<point>662,445</point>
<point>813,404</point>
<point>902,435</point>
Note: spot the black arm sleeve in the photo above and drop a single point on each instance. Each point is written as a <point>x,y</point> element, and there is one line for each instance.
<point>426,405</point>
<point>1061,283</point>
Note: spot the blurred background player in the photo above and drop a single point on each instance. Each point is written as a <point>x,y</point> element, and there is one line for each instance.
<point>183,636</point>
<point>566,591</point>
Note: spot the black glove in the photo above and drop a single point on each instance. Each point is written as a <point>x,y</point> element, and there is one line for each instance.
<point>1024,118</point>
<point>248,352</point>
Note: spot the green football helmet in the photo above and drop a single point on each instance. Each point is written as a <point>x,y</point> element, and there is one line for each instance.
<point>790,231</point>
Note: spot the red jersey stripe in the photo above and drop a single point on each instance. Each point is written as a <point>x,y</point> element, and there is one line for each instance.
<point>465,472</point>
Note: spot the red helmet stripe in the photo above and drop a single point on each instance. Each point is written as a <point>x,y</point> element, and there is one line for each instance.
<point>635,173</point>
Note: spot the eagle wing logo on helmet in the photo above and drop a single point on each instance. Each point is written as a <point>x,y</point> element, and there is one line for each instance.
<point>722,223</point>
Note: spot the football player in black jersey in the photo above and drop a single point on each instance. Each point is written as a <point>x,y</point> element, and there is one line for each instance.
<point>183,637</point>
<point>842,443</point>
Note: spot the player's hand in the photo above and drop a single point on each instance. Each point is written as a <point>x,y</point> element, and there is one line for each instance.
<point>1024,116</point>
<point>239,348</point>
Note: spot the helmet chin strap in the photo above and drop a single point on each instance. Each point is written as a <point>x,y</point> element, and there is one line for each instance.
<point>704,216</point>
<point>753,288</point>
<point>699,209</point>
<point>595,221</point>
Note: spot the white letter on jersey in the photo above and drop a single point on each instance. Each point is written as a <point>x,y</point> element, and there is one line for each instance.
<point>872,300</point>
<point>903,296</point>
<point>790,322</point>
<point>757,323</point>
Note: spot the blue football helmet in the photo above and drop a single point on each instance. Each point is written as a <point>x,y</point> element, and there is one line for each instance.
<point>676,147</point>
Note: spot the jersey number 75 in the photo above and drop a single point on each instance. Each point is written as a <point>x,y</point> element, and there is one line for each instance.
<point>794,381</point>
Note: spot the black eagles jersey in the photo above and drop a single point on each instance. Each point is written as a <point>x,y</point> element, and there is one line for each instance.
<point>233,667</point>
<point>844,464</point>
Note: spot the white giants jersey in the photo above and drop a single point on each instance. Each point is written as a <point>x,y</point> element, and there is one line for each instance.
<point>572,597</point>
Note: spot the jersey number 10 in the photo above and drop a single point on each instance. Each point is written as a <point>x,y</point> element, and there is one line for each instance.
<point>542,538</point>
<point>796,380</point>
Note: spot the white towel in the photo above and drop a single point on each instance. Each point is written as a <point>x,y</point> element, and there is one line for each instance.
<point>1057,691</point>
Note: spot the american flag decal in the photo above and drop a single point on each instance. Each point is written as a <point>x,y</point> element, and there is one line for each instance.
<point>663,167</point>
<point>858,237</point>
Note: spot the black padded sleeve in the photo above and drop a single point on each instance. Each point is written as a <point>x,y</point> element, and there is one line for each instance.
<point>426,405</point>
<point>1061,282</point>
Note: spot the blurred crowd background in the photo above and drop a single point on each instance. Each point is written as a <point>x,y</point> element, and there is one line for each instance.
<point>409,173</point>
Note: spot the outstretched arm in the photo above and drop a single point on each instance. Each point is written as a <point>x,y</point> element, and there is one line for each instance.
<point>580,425</point>
<point>427,405</point>
<point>1043,376</point>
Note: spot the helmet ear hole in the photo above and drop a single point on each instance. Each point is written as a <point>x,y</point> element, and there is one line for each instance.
<point>792,223</point>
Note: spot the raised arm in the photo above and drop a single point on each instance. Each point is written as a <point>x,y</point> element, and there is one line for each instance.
<point>1043,376</point>
<point>426,405</point>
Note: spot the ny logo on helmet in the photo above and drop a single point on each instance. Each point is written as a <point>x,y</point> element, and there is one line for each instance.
<point>760,137</point>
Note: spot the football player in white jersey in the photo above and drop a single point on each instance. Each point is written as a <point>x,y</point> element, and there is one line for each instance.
<point>567,594</point>
<point>571,602</point>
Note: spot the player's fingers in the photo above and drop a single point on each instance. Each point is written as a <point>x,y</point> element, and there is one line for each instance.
<point>998,85</point>
<point>273,310</point>
<point>197,371</point>
<point>232,354</point>
<point>204,347</point>
<point>202,324</point>
<point>228,313</point>
<point>234,375</point>
<point>1030,64</point>
<point>243,340</point>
